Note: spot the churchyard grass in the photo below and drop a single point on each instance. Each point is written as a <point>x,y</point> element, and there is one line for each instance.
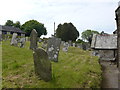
<point>74,69</point>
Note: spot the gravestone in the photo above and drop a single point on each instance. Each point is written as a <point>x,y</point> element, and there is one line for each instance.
<point>53,48</point>
<point>70,43</point>
<point>33,39</point>
<point>73,44</point>
<point>42,64</point>
<point>65,47</point>
<point>22,42</point>
<point>14,39</point>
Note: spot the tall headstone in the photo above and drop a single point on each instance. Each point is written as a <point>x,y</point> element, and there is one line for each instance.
<point>14,39</point>
<point>53,48</point>
<point>42,64</point>
<point>33,39</point>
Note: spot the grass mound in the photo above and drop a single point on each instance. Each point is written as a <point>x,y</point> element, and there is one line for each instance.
<point>75,69</point>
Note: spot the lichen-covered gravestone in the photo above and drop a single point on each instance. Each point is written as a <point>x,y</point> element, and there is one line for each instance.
<point>53,48</point>
<point>33,39</point>
<point>14,39</point>
<point>42,64</point>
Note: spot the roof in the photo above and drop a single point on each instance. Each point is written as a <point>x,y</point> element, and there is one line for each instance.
<point>107,41</point>
<point>11,29</point>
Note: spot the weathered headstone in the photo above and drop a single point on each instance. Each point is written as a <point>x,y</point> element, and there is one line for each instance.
<point>22,42</point>
<point>14,39</point>
<point>65,47</point>
<point>33,39</point>
<point>42,64</point>
<point>53,48</point>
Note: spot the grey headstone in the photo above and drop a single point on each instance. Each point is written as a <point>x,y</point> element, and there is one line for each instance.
<point>33,39</point>
<point>22,42</point>
<point>53,48</point>
<point>14,39</point>
<point>65,47</point>
<point>73,44</point>
<point>42,64</point>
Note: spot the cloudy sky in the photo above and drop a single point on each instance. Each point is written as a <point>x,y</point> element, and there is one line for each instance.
<point>84,14</point>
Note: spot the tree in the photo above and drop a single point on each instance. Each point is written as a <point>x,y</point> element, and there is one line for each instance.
<point>17,24</point>
<point>34,24</point>
<point>9,23</point>
<point>88,34</point>
<point>79,41</point>
<point>67,32</point>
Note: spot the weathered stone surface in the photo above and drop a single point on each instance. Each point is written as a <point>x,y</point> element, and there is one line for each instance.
<point>14,39</point>
<point>33,39</point>
<point>118,34</point>
<point>22,42</point>
<point>42,64</point>
<point>65,47</point>
<point>53,48</point>
<point>104,41</point>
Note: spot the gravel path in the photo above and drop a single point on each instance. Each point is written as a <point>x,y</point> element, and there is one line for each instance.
<point>110,75</point>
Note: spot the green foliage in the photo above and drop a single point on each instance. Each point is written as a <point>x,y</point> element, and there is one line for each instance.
<point>75,69</point>
<point>17,24</point>
<point>88,34</point>
<point>67,32</point>
<point>33,24</point>
<point>79,41</point>
<point>9,23</point>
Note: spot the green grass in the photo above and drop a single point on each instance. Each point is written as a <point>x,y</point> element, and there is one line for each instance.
<point>75,69</point>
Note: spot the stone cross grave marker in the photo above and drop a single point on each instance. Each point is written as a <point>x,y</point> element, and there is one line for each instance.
<point>42,64</point>
<point>33,39</point>
<point>14,39</point>
<point>53,48</point>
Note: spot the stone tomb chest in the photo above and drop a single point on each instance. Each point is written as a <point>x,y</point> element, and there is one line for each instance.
<point>105,46</point>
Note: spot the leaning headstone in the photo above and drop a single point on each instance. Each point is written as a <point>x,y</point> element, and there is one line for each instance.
<point>42,64</point>
<point>33,39</point>
<point>14,39</point>
<point>53,48</point>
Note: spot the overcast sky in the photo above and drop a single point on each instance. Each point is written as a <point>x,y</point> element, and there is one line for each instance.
<point>84,14</point>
